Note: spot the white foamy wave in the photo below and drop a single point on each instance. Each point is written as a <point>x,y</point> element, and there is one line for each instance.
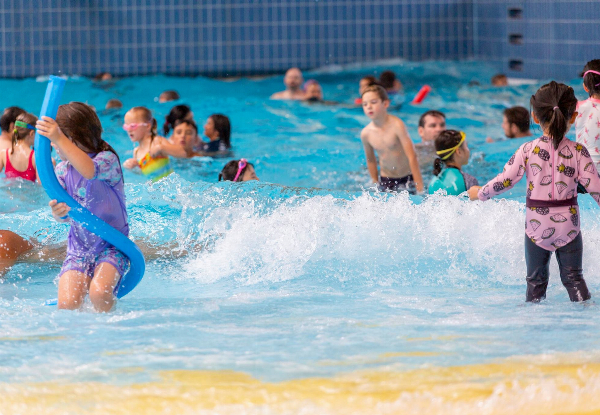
<point>380,240</point>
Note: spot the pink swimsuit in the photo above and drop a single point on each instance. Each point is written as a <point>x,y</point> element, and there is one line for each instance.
<point>28,174</point>
<point>552,219</point>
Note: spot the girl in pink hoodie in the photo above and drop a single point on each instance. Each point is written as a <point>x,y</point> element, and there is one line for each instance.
<point>553,166</point>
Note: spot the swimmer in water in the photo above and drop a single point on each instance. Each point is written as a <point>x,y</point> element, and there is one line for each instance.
<point>515,123</point>
<point>15,249</point>
<point>19,160</point>
<point>553,166</point>
<point>238,171</point>
<point>218,130</point>
<point>431,124</point>
<point>453,153</point>
<point>167,96</point>
<point>386,135</point>
<point>7,124</point>
<point>293,86</point>
<point>365,81</point>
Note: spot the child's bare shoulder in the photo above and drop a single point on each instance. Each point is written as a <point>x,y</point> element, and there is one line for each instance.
<point>365,131</point>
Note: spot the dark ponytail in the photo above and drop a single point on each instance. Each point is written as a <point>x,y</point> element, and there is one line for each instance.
<point>223,126</point>
<point>437,166</point>
<point>446,140</point>
<point>178,112</point>
<point>554,104</point>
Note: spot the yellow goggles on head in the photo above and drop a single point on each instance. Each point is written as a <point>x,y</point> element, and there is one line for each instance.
<point>446,154</point>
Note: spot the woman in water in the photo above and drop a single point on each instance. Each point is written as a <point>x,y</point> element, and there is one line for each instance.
<point>553,166</point>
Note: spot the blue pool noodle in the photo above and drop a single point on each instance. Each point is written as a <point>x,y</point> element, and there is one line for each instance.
<point>91,222</point>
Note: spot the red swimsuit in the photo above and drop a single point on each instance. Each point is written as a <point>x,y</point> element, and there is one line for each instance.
<point>28,174</point>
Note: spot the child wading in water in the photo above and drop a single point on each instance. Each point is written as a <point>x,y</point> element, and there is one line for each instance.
<point>553,165</point>
<point>452,150</point>
<point>91,174</point>
<point>386,134</point>
<point>19,160</point>
<point>587,124</point>
<point>152,154</point>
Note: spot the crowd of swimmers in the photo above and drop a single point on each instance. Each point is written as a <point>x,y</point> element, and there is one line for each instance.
<point>556,170</point>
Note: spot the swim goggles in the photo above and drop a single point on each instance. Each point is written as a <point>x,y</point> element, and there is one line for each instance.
<point>241,166</point>
<point>132,126</point>
<point>22,124</point>
<point>594,72</point>
<point>449,151</point>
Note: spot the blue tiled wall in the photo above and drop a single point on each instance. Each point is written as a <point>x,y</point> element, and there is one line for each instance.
<point>558,36</point>
<point>229,37</point>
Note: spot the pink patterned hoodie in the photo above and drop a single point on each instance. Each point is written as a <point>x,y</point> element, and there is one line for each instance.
<point>553,176</point>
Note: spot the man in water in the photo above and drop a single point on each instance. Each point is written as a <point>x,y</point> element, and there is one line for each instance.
<point>386,135</point>
<point>293,86</point>
<point>431,124</point>
<point>515,123</point>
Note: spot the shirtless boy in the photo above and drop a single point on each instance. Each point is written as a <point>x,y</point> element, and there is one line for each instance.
<point>386,134</point>
<point>293,86</point>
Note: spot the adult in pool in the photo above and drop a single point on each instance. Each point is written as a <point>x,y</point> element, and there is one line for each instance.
<point>238,171</point>
<point>16,249</point>
<point>553,166</point>
<point>386,135</point>
<point>453,152</point>
<point>515,123</point>
<point>431,124</point>
<point>293,86</point>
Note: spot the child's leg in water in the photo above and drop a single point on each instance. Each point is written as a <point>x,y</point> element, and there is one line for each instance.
<point>570,262</point>
<point>538,272</point>
<point>72,288</point>
<point>12,246</point>
<point>106,277</point>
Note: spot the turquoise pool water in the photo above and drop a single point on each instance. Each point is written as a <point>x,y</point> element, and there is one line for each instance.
<point>308,273</point>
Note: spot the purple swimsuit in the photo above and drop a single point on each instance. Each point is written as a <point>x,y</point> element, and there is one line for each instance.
<point>104,196</point>
<point>552,219</point>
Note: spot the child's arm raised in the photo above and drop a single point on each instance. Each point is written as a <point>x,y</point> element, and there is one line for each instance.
<point>514,170</point>
<point>371,159</point>
<point>165,148</point>
<point>48,128</point>
<point>409,149</point>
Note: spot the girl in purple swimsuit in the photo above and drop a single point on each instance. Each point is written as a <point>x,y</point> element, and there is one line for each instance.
<point>553,166</point>
<point>91,174</point>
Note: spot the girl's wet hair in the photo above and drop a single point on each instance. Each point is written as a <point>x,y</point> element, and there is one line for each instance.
<point>20,133</point>
<point>592,80</point>
<point>79,122</point>
<point>188,122</point>
<point>223,126</point>
<point>9,116</point>
<point>554,104</point>
<point>147,115</point>
<point>447,139</point>
<point>230,170</point>
<point>178,112</point>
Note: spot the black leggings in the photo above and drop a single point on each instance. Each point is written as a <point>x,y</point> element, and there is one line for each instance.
<point>569,259</point>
